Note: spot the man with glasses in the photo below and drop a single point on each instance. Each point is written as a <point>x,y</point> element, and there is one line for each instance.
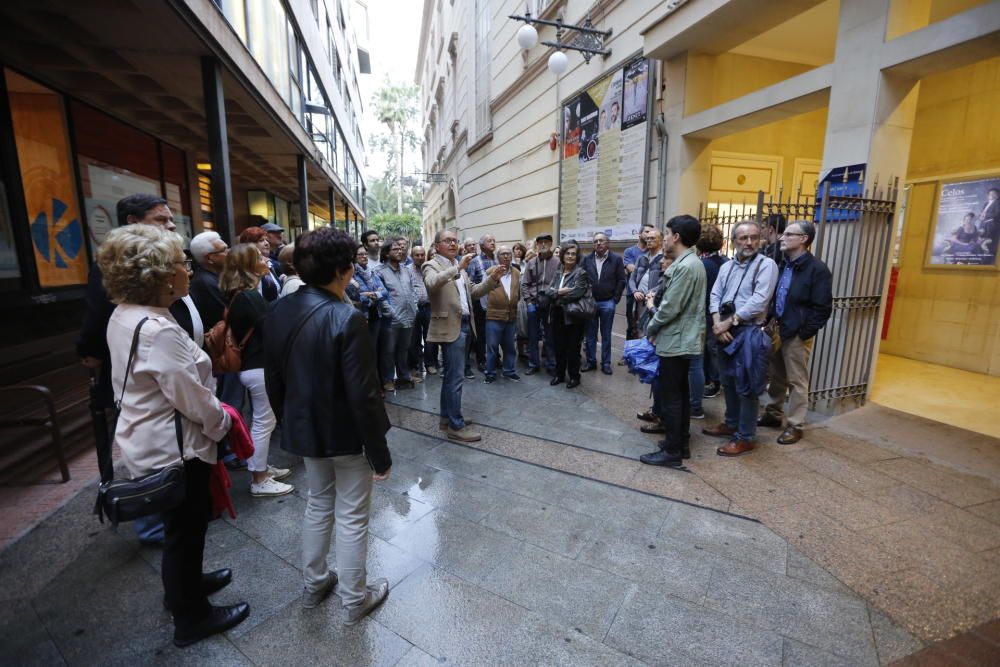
<point>209,252</point>
<point>451,294</point>
<point>738,304</point>
<point>802,305</point>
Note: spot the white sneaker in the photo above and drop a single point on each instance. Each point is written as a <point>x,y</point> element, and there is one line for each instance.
<point>270,487</point>
<point>277,474</point>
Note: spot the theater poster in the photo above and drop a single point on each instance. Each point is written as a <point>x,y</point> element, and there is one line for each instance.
<point>605,156</point>
<point>966,226</point>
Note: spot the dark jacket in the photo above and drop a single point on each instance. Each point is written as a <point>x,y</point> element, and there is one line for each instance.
<point>611,283</point>
<point>207,296</point>
<point>750,352</point>
<point>248,312</point>
<point>810,299</point>
<point>655,273</point>
<point>712,264</point>
<point>326,395</point>
<point>577,281</point>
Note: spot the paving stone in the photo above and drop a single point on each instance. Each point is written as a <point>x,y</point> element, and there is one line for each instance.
<point>666,566</point>
<point>566,592</point>
<point>848,508</point>
<point>830,621</point>
<point>458,495</point>
<point>384,560</point>
<point>416,657</point>
<point>260,578</point>
<point>797,654</point>
<point>850,447</point>
<point>455,544</point>
<point>298,636</point>
<point>803,568</point>
<point>215,651</point>
<point>906,501</point>
<point>892,642</point>
<point>391,512</point>
<point>850,474</point>
<point>960,527</point>
<point>989,511</point>
<point>462,624</point>
<point>274,522</point>
<point>678,485</point>
<point>663,630</point>
<point>956,488</point>
<point>617,506</point>
<point>741,540</point>
<point>23,637</point>
<point>409,445</point>
<point>542,524</point>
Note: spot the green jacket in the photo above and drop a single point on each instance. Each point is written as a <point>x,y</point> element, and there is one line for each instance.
<point>679,322</point>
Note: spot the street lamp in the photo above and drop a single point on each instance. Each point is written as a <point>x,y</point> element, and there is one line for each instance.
<point>589,41</point>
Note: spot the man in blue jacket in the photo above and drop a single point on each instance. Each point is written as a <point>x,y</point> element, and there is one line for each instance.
<point>739,299</point>
<point>802,305</point>
<point>607,278</point>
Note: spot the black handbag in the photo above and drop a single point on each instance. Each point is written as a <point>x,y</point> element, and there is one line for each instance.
<point>159,491</point>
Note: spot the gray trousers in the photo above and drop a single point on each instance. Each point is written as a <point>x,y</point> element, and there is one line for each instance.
<point>339,487</point>
<point>394,363</point>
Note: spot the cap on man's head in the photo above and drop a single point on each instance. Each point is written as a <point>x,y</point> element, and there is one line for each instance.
<point>271,227</point>
<point>543,237</point>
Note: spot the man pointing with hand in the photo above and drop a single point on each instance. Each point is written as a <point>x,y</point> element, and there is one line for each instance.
<point>451,294</point>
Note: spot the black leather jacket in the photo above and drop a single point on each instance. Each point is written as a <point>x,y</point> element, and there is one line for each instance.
<point>326,395</point>
<point>809,303</point>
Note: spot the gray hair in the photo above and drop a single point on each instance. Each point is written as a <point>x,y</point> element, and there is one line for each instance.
<point>807,227</point>
<point>203,244</point>
<point>743,223</point>
<point>487,235</point>
<point>439,233</point>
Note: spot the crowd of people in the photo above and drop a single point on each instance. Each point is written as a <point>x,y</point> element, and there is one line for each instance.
<point>325,327</point>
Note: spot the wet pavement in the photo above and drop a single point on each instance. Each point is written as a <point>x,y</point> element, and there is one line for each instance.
<point>491,560</point>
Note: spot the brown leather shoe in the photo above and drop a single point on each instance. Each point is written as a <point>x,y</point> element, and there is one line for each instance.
<point>790,436</point>
<point>719,431</point>
<point>653,428</point>
<point>735,448</point>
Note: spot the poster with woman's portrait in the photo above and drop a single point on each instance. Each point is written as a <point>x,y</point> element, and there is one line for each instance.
<point>966,229</point>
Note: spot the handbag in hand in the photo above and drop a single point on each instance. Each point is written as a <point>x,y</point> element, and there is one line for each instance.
<point>583,309</point>
<point>159,491</point>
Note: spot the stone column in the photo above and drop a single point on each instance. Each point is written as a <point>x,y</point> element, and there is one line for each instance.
<point>687,163</point>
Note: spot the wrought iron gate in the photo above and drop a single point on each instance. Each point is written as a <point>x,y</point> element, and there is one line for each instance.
<point>853,235</point>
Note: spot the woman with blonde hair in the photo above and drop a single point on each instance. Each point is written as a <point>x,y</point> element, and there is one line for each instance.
<point>167,407</point>
<point>240,282</point>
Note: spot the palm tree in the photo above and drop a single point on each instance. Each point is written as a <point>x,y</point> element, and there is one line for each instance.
<point>396,106</point>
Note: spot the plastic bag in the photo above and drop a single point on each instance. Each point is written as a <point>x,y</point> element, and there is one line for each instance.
<point>640,356</point>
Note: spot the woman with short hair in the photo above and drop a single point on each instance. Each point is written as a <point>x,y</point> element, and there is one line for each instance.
<point>244,268</point>
<point>326,395</point>
<point>569,285</point>
<point>292,280</point>
<point>269,287</point>
<point>167,388</point>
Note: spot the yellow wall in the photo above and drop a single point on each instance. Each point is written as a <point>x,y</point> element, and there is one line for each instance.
<point>948,316</point>
<point>713,80</point>
<point>905,16</point>
<point>797,137</point>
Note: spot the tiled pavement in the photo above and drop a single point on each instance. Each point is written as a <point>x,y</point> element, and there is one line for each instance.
<point>491,561</point>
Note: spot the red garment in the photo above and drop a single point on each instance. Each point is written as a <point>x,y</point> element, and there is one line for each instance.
<point>241,445</point>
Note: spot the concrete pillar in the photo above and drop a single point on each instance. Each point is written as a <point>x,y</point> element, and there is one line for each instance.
<point>303,176</point>
<point>218,149</point>
<point>688,160</point>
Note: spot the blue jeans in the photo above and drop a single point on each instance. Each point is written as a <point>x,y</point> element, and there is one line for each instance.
<point>741,411</point>
<point>453,355</point>
<point>500,334</point>
<point>696,380</point>
<point>605,318</point>
<point>149,529</point>
<point>539,330</point>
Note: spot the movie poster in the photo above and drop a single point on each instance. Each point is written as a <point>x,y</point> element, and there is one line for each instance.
<point>967,227</point>
<point>605,156</point>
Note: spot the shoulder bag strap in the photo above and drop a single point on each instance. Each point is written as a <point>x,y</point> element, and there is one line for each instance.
<point>225,318</point>
<point>131,358</point>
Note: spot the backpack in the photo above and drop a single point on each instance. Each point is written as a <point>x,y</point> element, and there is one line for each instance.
<point>221,345</point>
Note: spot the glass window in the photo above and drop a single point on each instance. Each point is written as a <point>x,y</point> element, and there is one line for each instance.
<point>46,164</point>
<point>235,12</point>
<point>484,119</point>
<point>269,45</point>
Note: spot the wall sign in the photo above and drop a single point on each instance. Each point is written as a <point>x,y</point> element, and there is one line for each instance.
<point>966,229</point>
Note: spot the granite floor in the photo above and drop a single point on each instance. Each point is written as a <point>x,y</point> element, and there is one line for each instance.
<point>491,561</point>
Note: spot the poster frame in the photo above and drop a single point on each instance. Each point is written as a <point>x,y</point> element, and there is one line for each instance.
<point>651,96</point>
<point>932,228</point>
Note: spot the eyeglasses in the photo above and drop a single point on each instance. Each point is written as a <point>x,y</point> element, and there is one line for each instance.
<point>793,234</point>
<point>744,239</point>
<point>449,241</point>
<point>185,262</point>
<point>217,252</point>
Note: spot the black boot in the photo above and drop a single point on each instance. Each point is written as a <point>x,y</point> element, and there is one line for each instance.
<point>218,619</point>
<point>663,457</point>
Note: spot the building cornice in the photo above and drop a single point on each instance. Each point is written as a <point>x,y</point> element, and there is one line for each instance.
<point>425,21</point>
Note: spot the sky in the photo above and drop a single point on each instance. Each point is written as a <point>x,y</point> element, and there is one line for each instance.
<point>394,35</point>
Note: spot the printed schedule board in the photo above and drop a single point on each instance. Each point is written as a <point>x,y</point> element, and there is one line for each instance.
<point>604,156</point>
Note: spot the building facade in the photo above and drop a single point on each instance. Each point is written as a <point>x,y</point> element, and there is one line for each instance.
<point>236,111</point>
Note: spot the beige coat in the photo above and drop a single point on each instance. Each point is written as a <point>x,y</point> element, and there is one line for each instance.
<point>440,278</point>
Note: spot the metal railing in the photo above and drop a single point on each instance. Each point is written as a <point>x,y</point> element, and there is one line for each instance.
<point>853,236</point>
